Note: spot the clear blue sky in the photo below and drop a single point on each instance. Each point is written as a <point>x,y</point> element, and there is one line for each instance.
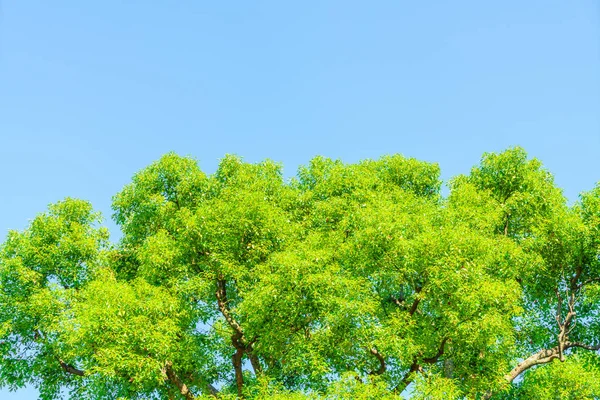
<point>91,92</point>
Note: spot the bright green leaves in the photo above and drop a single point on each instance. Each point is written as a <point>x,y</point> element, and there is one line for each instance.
<point>506,174</point>
<point>126,331</point>
<point>418,177</point>
<point>476,208</point>
<point>62,245</point>
<point>349,387</point>
<point>351,281</point>
<point>236,220</point>
<point>589,210</point>
<point>523,189</point>
<point>309,307</point>
<point>557,254</point>
<point>159,258</point>
<point>234,173</point>
<point>239,229</point>
<point>436,387</point>
<point>328,178</point>
<point>156,193</point>
<point>40,269</point>
<point>174,217</point>
<point>59,252</point>
<point>433,278</point>
<point>590,207</point>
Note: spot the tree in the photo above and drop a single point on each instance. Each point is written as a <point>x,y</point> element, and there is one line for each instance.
<point>349,281</point>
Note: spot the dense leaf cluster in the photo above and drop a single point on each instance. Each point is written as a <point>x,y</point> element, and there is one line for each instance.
<point>350,281</point>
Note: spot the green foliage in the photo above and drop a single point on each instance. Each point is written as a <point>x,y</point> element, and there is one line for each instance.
<point>351,281</point>
<point>41,268</point>
<point>436,387</point>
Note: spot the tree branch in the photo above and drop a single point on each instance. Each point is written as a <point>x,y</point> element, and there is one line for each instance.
<point>586,282</point>
<point>575,278</point>
<point>237,339</point>
<point>506,225</point>
<point>174,378</point>
<point>434,359</point>
<point>70,369</point>
<point>415,303</point>
<point>382,367</point>
<point>407,379</point>
<point>255,362</point>
<point>400,301</point>
<point>212,390</point>
<point>414,306</point>
<point>582,345</point>
<point>545,356</point>
<point>222,301</point>
<point>541,357</point>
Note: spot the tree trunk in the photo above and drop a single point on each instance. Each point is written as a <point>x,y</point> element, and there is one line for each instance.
<point>255,363</point>
<point>237,366</point>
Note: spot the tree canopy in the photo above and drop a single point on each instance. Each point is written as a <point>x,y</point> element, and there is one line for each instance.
<point>357,281</point>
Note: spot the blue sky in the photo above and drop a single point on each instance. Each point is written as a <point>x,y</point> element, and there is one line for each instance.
<point>91,92</point>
